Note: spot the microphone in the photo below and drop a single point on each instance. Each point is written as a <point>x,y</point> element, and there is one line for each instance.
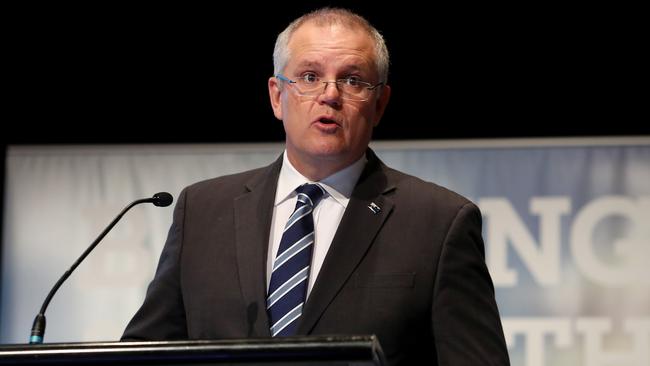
<point>160,199</point>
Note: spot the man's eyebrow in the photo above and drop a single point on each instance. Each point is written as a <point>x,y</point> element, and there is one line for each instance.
<point>308,63</point>
<point>344,70</point>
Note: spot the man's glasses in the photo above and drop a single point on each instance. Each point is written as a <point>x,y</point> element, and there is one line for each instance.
<point>351,88</point>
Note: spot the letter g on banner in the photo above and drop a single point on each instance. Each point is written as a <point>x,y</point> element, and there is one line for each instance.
<point>630,253</point>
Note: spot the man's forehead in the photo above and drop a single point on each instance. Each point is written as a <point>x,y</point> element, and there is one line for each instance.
<point>321,39</point>
<point>311,32</point>
<point>349,63</point>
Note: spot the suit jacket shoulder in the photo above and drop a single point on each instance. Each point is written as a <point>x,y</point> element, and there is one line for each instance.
<point>422,196</point>
<point>228,186</point>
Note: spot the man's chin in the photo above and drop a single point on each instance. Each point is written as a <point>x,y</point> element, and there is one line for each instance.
<point>329,150</point>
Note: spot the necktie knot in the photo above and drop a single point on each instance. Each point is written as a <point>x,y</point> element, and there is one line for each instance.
<point>310,194</point>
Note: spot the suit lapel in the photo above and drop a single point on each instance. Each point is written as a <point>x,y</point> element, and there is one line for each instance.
<point>253,214</point>
<point>368,209</point>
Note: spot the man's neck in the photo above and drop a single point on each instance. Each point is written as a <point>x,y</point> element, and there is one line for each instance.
<point>319,169</point>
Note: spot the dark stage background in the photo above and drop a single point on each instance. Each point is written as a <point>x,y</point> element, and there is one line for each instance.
<point>156,72</point>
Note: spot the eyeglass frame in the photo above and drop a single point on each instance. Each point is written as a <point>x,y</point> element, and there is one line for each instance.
<point>369,86</point>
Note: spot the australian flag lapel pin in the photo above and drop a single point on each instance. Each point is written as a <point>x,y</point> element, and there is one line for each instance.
<point>374,208</point>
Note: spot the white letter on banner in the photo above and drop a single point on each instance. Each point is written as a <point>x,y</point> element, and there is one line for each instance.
<point>593,331</point>
<point>639,328</point>
<point>534,331</point>
<point>504,225</point>
<point>634,248</point>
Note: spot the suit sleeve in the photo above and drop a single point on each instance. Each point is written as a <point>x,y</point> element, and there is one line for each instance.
<point>466,323</point>
<point>162,315</point>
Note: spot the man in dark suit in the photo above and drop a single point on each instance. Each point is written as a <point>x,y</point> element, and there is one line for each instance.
<point>386,253</point>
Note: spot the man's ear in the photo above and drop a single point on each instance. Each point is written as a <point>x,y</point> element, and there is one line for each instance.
<point>275,94</point>
<point>381,103</point>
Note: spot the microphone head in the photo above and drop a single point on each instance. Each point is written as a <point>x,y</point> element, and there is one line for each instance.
<point>162,199</point>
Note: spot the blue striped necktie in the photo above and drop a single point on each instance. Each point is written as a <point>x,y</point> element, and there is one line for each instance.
<point>290,276</point>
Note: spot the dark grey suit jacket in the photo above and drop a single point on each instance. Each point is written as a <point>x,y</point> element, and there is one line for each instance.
<point>412,273</point>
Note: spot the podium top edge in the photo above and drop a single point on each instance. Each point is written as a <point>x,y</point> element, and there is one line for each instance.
<point>332,340</point>
<point>294,349</point>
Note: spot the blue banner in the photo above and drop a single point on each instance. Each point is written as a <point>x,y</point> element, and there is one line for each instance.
<point>566,225</point>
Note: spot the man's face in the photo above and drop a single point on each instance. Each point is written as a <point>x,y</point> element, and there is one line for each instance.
<point>325,129</point>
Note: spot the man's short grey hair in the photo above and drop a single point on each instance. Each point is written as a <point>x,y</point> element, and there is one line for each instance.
<point>331,16</point>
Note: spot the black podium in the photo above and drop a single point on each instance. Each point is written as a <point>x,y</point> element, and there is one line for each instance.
<point>294,351</point>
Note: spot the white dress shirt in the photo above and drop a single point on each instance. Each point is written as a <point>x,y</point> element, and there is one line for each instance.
<point>327,214</point>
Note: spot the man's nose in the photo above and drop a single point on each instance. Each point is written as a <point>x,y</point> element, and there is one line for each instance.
<point>331,94</point>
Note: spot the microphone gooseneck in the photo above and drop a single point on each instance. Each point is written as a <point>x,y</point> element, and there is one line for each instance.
<point>161,199</point>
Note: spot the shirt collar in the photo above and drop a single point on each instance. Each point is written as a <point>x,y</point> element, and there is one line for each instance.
<point>338,185</point>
